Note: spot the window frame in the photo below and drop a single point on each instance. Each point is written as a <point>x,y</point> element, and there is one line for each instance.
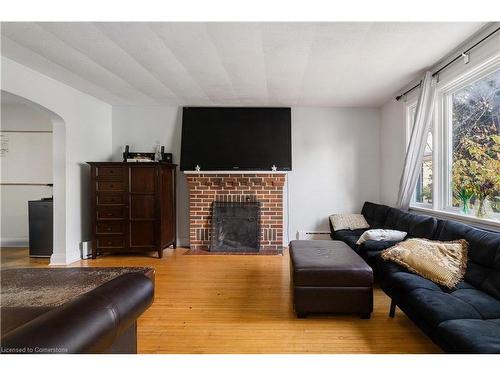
<point>446,99</point>
<point>442,157</point>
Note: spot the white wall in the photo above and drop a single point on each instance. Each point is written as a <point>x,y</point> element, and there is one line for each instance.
<point>392,150</point>
<point>28,160</point>
<point>20,116</point>
<point>335,164</point>
<point>335,158</point>
<point>82,132</point>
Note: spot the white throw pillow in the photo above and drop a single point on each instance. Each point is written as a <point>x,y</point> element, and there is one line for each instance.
<point>348,221</point>
<point>381,235</point>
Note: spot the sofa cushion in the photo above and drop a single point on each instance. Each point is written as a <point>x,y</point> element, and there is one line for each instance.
<point>435,306</point>
<point>348,221</point>
<point>461,285</point>
<point>401,279</point>
<point>483,270</point>
<point>387,267</point>
<point>371,258</point>
<point>375,214</point>
<point>372,245</point>
<point>350,237</point>
<point>421,226</point>
<point>469,336</point>
<point>393,217</point>
<point>381,235</point>
<point>487,306</point>
<point>405,282</point>
<point>370,250</point>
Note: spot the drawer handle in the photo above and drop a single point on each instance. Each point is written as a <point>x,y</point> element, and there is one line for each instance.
<point>109,242</point>
<point>110,214</point>
<point>109,229</point>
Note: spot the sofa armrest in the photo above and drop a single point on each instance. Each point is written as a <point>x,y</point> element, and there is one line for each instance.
<point>89,323</point>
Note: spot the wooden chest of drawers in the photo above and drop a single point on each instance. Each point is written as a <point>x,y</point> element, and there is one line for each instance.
<point>133,207</point>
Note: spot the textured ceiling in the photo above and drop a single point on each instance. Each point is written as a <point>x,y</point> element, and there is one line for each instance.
<point>292,64</point>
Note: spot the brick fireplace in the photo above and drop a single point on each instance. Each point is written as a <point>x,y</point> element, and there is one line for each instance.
<point>206,188</point>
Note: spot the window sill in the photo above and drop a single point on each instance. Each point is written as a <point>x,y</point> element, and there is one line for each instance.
<point>471,220</point>
<point>425,206</point>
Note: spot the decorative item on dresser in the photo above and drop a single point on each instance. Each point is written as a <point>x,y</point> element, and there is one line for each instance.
<point>133,207</point>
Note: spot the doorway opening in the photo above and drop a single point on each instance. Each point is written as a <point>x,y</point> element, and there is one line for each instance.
<point>32,182</point>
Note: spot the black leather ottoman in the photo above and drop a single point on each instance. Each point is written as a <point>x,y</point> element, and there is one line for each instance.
<point>329,277</point>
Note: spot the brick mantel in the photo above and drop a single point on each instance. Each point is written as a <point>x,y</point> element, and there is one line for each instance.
<point>207,187</point>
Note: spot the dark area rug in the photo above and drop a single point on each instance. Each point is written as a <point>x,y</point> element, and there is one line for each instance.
<point>37,287</point>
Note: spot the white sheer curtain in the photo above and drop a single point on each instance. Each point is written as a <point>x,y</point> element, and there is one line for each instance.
<point>416,146</point>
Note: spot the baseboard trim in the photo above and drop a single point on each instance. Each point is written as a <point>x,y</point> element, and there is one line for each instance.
<point>58,260</point>
<point>14,242</point>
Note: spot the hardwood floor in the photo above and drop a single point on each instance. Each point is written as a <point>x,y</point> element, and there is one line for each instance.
<point>241,304</point>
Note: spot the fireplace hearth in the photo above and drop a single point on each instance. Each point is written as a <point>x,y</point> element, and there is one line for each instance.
<point>235,226</point>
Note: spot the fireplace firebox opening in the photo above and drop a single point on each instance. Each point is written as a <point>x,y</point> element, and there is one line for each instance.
<point>235,226</point>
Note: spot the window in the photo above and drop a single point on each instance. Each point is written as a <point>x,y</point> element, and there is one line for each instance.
<point>463,148</point>
<point>423,190</point>
<point>475,143</point>
<point>423,193</point>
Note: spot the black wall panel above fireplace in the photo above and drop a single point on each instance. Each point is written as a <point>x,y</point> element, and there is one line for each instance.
<point>235,138</point>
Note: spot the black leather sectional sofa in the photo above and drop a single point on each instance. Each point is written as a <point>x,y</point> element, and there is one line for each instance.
<point>465,319</point>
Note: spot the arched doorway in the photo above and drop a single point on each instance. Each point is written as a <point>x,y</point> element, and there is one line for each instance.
<point>58,173</point>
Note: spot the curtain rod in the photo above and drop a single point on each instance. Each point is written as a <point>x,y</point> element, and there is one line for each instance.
<point>450,62</point>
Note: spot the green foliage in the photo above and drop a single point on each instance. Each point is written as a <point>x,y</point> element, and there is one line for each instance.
<point>427,193</point>
<point>464,194</point>
<point>476,139</point>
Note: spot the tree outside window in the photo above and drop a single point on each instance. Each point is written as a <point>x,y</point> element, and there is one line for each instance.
<point>476,142</point>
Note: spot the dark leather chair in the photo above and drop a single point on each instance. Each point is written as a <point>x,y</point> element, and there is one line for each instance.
<point>100,321</point>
